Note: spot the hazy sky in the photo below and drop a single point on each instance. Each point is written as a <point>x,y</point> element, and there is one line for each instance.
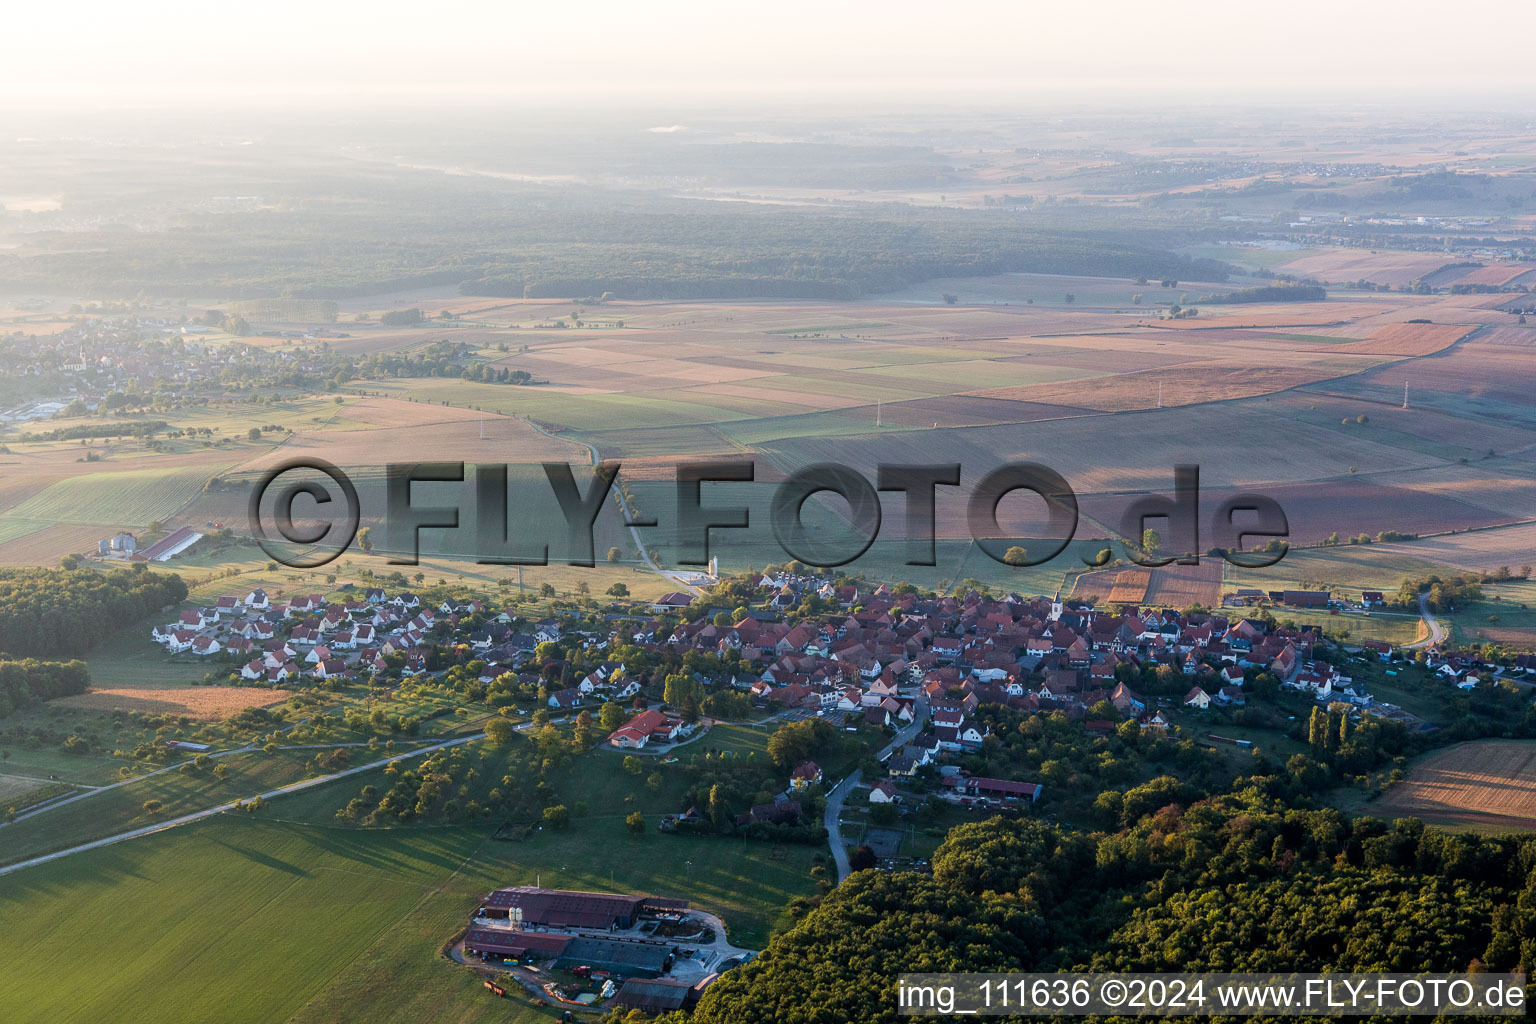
<point>106,53</point>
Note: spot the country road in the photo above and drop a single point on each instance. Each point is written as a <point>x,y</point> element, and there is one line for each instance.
<point>832,819</point>
<point>1437,632</point>
<point>629,515</point>
<point>320,780</point>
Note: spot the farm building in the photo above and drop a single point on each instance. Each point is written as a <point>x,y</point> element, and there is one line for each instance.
<point>995,789</point>
<point>656,996</point>
<point>168,546</point>
<point>625,956</point>
<point>1304,598</point>
<point>562,908</point>
<point>514,945</point>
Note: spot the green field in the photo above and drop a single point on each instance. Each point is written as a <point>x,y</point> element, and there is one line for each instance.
<point>121,809</point>
<point>247,918</point>
<point>1352,567</point>
<point>119,498</point>
<point>1396,628</point>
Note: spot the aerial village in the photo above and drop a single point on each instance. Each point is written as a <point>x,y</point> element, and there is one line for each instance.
<point>880,658</point>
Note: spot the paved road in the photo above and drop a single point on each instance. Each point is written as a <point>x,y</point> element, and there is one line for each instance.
<point>831,820</point>
<point>1437,632</point>
<point>634,532</point>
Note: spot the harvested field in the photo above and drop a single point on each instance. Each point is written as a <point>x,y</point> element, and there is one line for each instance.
<point>1521,638</point>
<point>1183,385</point>
<point>1489,785</point>
<point>1508,336</point>
<point>1409,339</point>
<point>1353,506</point>
<point>368,413</point>
<point>1172,586</point>
<point>484,438</point>
<point>1234,444</point>
<point>1130,586</point>
<point>1342,265</point>
<point>211,703</point>
<point>963,411</point>
<point>45,546</point>
<point>1506,486</point>
<point>1471,379</point>
<point>1479,551</point>
<point>1496,275</point>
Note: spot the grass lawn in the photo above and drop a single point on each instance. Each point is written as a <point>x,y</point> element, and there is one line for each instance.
<point>1396,628</point>
<point>130,658</point>
<point>1412,689</point>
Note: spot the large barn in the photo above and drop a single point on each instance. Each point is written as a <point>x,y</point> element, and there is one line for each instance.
<point>514,945</point>
<point>564,908</point>
<point>628,957</point>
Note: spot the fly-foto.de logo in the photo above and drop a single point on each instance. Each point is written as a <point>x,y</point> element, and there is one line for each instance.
<point>312,517</point>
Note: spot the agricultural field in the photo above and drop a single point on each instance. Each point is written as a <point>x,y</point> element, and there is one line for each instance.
<point>1349,265</point>
<point>381,901</point>
<point>1487,785</point>
<point>1173,586</point>
<point>205,703</point>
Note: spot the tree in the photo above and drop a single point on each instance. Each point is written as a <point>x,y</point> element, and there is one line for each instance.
<point>1015,556</point>
<point>611,716</point>
<point>635,822</point>
<point>950,298</point>
<point>254,434</point>
<point>1151,540</point>
<point>613,556</point>
<point>500,731</point>
<point>365,538</point>
<point>618,590</point>
<point>153,807</point>
<point>862,859</point>
<point>546,590</point>
<point>557,816</point>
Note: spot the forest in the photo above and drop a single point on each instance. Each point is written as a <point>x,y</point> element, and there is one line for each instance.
<point>56,612</point>
<point>1239,882</point>
<point>29,681</point>
<point>334,236</point>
